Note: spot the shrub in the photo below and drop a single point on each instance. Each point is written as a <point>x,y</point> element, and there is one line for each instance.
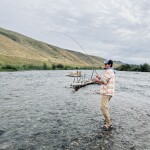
<point>145,67</point>
<point>53,66</point>
<point>45,67</point>
<point>9,67</point>
<point>60,66</point>
<point>126,67</point>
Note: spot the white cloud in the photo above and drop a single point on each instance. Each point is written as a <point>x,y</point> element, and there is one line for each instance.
<point>103,27</point>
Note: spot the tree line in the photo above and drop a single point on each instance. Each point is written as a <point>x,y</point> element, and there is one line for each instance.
<point>44,66</point>
<point>124,67</point>
<point>127,67</point>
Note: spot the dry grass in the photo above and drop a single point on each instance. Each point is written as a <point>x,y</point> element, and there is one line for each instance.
<point>19,49</point>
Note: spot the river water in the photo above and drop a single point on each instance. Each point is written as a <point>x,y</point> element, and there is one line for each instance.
<point>39,110</point>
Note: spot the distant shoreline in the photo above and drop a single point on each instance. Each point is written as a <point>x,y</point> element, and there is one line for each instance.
<point>6,68</point>
<point>125,67</point>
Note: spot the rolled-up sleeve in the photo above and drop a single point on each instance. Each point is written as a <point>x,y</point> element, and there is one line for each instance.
<point>106,77</point>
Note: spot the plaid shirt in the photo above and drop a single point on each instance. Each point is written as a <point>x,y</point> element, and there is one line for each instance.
<point>108,88</point>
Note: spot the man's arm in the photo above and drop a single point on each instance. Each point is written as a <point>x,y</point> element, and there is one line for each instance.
<point>99,81</point>
<point>104,79</point>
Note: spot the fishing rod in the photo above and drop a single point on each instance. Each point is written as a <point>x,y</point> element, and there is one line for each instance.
<point>80,47</point>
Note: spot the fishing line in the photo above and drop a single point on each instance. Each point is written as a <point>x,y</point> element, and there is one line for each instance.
<point>79,46</point>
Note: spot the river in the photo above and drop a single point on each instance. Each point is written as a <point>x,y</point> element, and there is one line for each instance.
<point>39,111</point>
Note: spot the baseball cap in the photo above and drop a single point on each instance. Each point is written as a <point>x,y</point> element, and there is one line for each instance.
<point>108,62</point>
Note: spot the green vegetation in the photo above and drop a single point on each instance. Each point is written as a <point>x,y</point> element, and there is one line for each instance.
<point>63,67</point>
<point>9,67</point>
<point>23,67</point>
<point>126,67</point>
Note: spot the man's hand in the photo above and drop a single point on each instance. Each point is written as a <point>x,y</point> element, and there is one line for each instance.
<point>97,80</point>
<point>97,75</point>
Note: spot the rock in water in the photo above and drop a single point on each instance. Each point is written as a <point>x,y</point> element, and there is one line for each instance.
<point>2,132</point>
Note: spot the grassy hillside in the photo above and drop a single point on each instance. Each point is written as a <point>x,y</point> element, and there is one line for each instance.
<point>19,50</point>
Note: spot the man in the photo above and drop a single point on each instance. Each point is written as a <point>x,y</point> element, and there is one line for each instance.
<point>107,81</point>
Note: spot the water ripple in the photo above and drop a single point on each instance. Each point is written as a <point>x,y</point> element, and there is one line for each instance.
<point>39,111</point>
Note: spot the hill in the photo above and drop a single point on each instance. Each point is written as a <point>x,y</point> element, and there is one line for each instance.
<point>19,50</point>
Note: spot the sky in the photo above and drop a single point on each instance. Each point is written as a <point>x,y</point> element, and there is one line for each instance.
<point>112,29</point>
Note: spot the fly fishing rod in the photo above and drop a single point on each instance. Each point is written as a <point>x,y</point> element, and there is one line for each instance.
<point>80,47</point>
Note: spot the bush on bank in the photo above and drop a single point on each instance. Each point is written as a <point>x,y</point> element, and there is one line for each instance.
<point>125,67</point>
<point>142,68</point>
<point>9,67</point>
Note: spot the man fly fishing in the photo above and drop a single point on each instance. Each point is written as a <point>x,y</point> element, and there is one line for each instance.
<point>107,89</point>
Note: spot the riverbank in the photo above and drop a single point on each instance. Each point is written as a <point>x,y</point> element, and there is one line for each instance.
<point>28,67</point>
